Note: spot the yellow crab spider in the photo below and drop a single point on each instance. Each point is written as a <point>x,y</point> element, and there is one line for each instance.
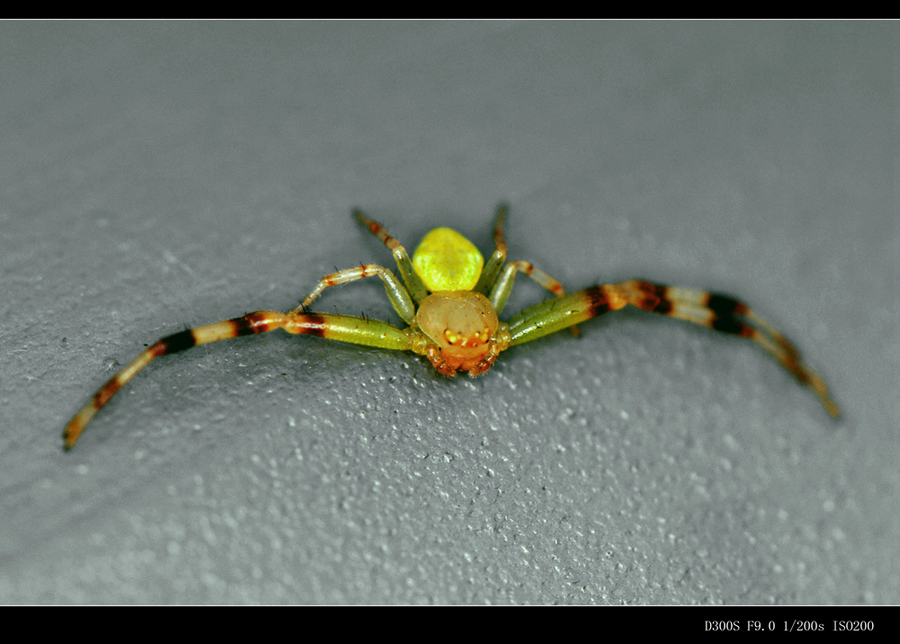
<point>450,300</point>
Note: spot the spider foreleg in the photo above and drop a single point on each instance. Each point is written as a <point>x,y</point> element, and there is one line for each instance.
<point>718,312</point>
<point>343,328</point>
<point>726,314</point>
<point>258,322</point>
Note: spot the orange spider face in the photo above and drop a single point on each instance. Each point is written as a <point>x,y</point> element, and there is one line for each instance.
<point>462,323</point>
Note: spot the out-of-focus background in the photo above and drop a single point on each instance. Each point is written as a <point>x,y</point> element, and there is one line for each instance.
<point>163,174</point>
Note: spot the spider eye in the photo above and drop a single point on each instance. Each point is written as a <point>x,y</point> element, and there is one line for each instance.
<point>476,339</point>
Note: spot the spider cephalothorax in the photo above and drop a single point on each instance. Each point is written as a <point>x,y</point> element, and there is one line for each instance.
<point>465,329</point>
<point>451,301</point>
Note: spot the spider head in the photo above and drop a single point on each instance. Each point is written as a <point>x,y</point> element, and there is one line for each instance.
<point>463,324</point>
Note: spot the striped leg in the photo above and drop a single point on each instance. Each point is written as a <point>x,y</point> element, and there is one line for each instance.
<point>503,285</point>
<point>719,312</point>
<point>344,328</point>
<point>398,295</point>
<point>414,283</point>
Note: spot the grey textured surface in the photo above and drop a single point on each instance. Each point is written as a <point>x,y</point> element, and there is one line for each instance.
<point>162,174</point>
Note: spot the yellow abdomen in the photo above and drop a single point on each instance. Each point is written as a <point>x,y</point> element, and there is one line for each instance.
<point>447,261</point>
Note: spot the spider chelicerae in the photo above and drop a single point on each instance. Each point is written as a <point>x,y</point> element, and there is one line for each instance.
<point>451,301</point>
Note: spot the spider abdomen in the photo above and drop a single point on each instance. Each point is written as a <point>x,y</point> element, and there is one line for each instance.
<point>447,261</point>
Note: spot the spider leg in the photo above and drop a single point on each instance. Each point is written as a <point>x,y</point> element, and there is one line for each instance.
<point>414,283</point>
<point>498,257</point>
<point>344,328</point>
<point>498,280</point>
<point>504,284</point>
<point>398,295</point>
<point>718,312</point>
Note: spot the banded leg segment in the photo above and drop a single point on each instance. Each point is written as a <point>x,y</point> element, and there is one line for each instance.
<point>718,312</point>
<point>344,328</point>
<point>504,284</point>
<point>398,295</point>
<point>414,284</point>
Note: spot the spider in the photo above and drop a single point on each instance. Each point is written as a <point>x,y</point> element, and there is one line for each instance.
<point>451,302</point>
